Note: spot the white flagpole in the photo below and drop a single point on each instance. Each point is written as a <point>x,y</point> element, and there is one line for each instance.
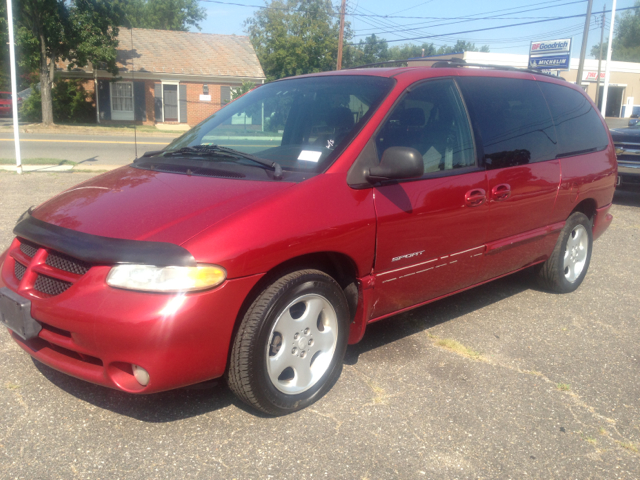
<point>607,67</point>
<point>14,89</point>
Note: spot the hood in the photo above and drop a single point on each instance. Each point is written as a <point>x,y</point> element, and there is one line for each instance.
<point>135,204</point>
<point>625,134</point>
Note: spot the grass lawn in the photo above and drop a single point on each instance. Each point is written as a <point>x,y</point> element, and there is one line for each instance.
<point>37,161</point>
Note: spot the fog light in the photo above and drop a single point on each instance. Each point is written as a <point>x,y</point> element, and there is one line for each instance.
<point>141,375</point>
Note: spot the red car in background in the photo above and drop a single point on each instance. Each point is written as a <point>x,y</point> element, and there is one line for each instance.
<point>264,240</point>
<point>5,103</point>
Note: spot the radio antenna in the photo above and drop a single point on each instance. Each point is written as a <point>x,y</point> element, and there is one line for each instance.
<point>133,91</point>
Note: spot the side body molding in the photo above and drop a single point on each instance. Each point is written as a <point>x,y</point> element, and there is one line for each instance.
<point>96,249</point>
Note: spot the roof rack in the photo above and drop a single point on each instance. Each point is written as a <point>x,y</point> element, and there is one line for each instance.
<point>390,62</point>
<point>461,63</point>
<point>456,62</point>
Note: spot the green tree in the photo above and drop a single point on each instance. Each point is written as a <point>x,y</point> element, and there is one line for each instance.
<point>79,31</point>
<point>462,46</point>
<point>595,50</point>
<point>162,14</point>
<point>409,50</point>
<point>374,50</point>
<point>5,81</point>
<point>293,37</point>
<point>239,91</point>
<point>626,39</point>
<point>371,50</point>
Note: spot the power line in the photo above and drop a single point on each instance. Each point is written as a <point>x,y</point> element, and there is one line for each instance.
<point>411,8</point>
<point>518,45</point>
<point>501,26</point>
<point>375,15</point>
<point>474,18</point>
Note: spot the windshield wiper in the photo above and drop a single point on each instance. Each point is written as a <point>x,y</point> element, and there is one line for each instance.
<point>200,150</point>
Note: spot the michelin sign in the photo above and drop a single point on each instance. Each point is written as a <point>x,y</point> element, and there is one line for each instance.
<point>550,55</point>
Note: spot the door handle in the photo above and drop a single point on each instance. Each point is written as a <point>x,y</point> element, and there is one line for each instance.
<point>501,192</point>
<point>475,197</point>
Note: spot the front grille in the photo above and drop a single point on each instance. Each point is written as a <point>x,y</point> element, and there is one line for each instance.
<point>19,270</point>
<point>50,286</point>
<point>67,263</point>
<point>28,248</point>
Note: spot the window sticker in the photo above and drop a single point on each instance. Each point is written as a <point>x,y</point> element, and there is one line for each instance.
<point>309,156</point>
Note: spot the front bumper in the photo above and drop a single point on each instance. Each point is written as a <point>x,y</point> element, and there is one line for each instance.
<point>95,332</point>
<point>629,171</point>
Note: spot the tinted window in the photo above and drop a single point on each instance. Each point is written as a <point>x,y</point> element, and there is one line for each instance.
<point>431,118</point>
<point>512,118</point>
<point>578,125</point>
<point>5,96</point>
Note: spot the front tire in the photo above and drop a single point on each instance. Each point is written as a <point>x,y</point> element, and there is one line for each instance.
<point>565,269</point>
<point>290,344</point>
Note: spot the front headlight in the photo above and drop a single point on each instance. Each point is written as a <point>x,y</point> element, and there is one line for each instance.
<point>166,279</point>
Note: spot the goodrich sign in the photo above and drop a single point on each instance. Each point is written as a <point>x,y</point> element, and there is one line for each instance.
<point>550,55</point>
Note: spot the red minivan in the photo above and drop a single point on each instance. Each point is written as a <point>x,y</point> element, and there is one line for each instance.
<point>264,240</point>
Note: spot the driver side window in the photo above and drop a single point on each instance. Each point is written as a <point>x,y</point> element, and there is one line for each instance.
<point>432,119</point>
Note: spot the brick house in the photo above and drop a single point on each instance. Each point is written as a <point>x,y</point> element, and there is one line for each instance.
<point>169,77</point>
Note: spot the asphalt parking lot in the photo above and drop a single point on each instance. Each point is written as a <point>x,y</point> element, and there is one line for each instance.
<point>502,381</point>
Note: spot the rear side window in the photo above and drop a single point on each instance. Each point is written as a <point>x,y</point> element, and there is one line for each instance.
<point>578,125</point>
<point>512,118</point>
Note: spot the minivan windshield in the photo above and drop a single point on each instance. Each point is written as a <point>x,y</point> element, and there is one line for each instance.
<point>302,124</point>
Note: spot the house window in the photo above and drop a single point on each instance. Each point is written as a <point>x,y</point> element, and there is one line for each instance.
<point>122,101</point>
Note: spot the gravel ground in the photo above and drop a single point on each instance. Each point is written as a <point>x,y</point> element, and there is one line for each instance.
<point>538,385</point>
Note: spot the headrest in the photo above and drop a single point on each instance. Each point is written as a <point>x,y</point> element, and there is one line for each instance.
<point>412,117</point>
<point>339,117</point>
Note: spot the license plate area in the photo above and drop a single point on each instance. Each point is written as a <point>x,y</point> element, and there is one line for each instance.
<point>15,314</point>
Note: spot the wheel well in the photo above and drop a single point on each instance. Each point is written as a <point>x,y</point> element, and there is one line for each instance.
<point>339,266</point>
<point>588,207</point>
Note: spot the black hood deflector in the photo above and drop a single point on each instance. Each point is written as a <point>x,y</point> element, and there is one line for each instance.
<point>100,250</point>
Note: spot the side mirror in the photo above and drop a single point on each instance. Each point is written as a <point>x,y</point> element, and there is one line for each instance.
<point>397,163</point>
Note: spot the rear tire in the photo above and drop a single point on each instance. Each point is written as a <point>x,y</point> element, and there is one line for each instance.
<point>290,344</point>
<point>565,269</point>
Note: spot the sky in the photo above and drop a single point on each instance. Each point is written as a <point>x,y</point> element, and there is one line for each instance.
<point>446,20</point>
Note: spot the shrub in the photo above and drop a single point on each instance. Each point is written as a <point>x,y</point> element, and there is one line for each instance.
<point>71,104</point>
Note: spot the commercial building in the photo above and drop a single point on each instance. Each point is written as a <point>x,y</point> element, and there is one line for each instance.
<point>624,81</point>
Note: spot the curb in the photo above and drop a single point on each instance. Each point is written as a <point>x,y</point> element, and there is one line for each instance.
<point>89,131</point>
<point>60,168</point>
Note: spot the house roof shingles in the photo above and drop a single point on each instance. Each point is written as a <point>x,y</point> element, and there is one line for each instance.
<point>186,53</point>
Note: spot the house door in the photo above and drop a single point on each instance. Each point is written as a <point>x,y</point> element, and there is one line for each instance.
<point>614,100</point>
<point>170,103</point>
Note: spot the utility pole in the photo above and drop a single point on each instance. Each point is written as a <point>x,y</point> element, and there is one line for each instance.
<point>341,38</point>
<point>14,89</point>
<point>585,38</point>
<point>607,67</point>
<point>600,56</point>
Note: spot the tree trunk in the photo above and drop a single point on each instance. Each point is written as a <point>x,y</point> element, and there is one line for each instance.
<point>46,79</point>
